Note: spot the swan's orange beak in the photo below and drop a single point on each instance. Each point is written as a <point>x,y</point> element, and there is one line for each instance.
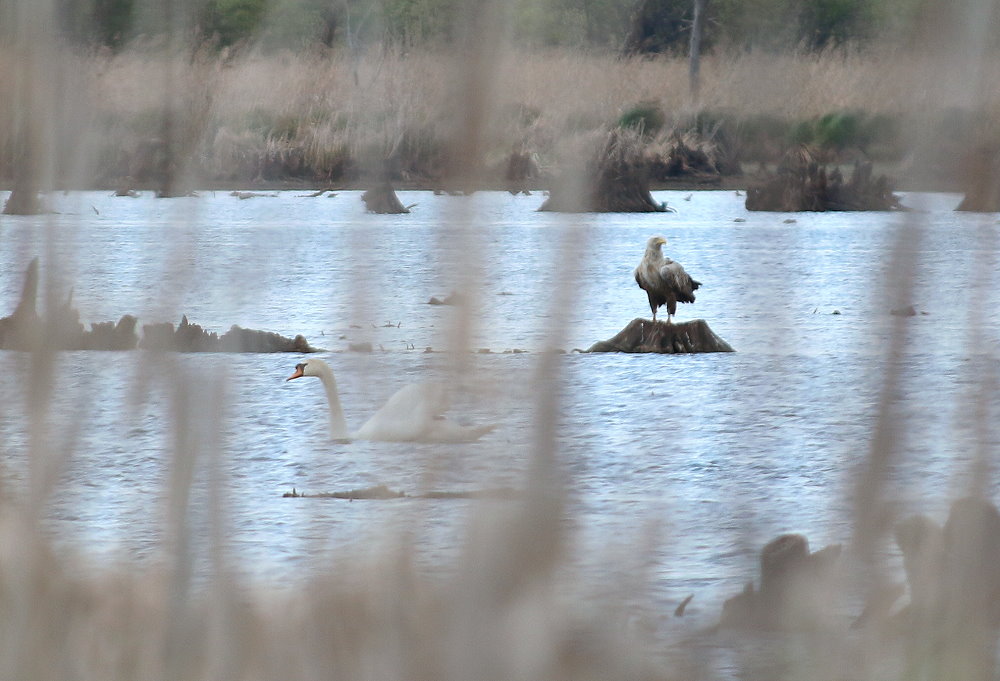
<point>298,373</point>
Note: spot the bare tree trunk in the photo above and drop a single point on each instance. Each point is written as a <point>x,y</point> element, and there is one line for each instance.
<point>697,27</point>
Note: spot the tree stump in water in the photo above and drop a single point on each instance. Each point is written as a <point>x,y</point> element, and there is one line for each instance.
<point>521,169</point>
<point>19,329</point>
<point>616,180</point>
<point>794,588</point>
<point>981,181</point>
<point>23,202</point>
<point>696,160</point>
<point>802,184</point>
<point>382,199</point>
<point>645,335</point>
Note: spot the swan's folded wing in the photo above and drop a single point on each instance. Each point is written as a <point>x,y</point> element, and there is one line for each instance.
<point>419,401</point>
<point>409,415</point>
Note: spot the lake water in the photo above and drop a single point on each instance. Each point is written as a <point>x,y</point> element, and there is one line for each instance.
<point>700,459</point>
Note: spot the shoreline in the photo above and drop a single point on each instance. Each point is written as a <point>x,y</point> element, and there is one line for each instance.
<point>900,183</point>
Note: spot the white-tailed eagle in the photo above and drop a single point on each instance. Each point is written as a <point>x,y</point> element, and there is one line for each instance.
<point>665,281</point>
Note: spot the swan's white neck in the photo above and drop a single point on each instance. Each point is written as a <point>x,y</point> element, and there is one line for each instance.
<point>338,427</point>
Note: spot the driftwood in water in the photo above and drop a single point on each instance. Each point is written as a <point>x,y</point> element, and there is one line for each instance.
<point>61,329</point>
<point>382,199</point>
<point>794,587</point>
<point>251,195</point>
<point>616,180</point>
<point>384,492</point>
<point>802,184</point>
<point>645,335</point>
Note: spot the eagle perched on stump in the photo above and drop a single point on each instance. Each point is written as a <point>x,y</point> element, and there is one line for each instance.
<point>664,281</point>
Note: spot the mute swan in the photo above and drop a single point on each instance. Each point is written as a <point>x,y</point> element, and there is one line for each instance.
<point>413,414</point>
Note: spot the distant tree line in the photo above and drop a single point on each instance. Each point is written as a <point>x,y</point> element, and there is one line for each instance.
<point>635,26</point>
<point>663,26</point>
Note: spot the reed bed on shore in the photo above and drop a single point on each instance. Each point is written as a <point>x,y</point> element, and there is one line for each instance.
<point>335,116</point>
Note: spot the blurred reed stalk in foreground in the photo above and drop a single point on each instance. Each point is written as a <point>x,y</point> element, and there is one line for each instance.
<point>509,612</point>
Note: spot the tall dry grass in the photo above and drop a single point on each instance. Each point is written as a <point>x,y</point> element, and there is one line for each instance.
<point>311,117</point>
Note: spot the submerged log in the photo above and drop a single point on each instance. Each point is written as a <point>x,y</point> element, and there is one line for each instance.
<point>802,184</point>
<point>382,199</point>
<point>384,492</point>
<point>645,335</point>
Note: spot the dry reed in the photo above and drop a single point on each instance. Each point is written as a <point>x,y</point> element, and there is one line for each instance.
<point>293,116</point>
<point>507,610</point>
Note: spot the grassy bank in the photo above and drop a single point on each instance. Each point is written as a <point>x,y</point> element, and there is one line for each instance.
<point>314,120</point>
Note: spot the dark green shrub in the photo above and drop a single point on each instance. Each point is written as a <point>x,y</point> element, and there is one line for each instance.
<point>646,117</point>
<point>232,21</point>
<point>876,135</point>
<point>840,130</point>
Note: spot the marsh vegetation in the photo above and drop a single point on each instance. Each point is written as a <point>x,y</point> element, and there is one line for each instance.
<point>339,119</point>
<point>140,491</point>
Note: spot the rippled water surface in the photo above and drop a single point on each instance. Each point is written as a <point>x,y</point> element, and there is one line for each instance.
<point>699,459</point>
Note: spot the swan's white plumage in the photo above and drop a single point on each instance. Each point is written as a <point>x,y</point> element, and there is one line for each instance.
<point>415,413</point>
